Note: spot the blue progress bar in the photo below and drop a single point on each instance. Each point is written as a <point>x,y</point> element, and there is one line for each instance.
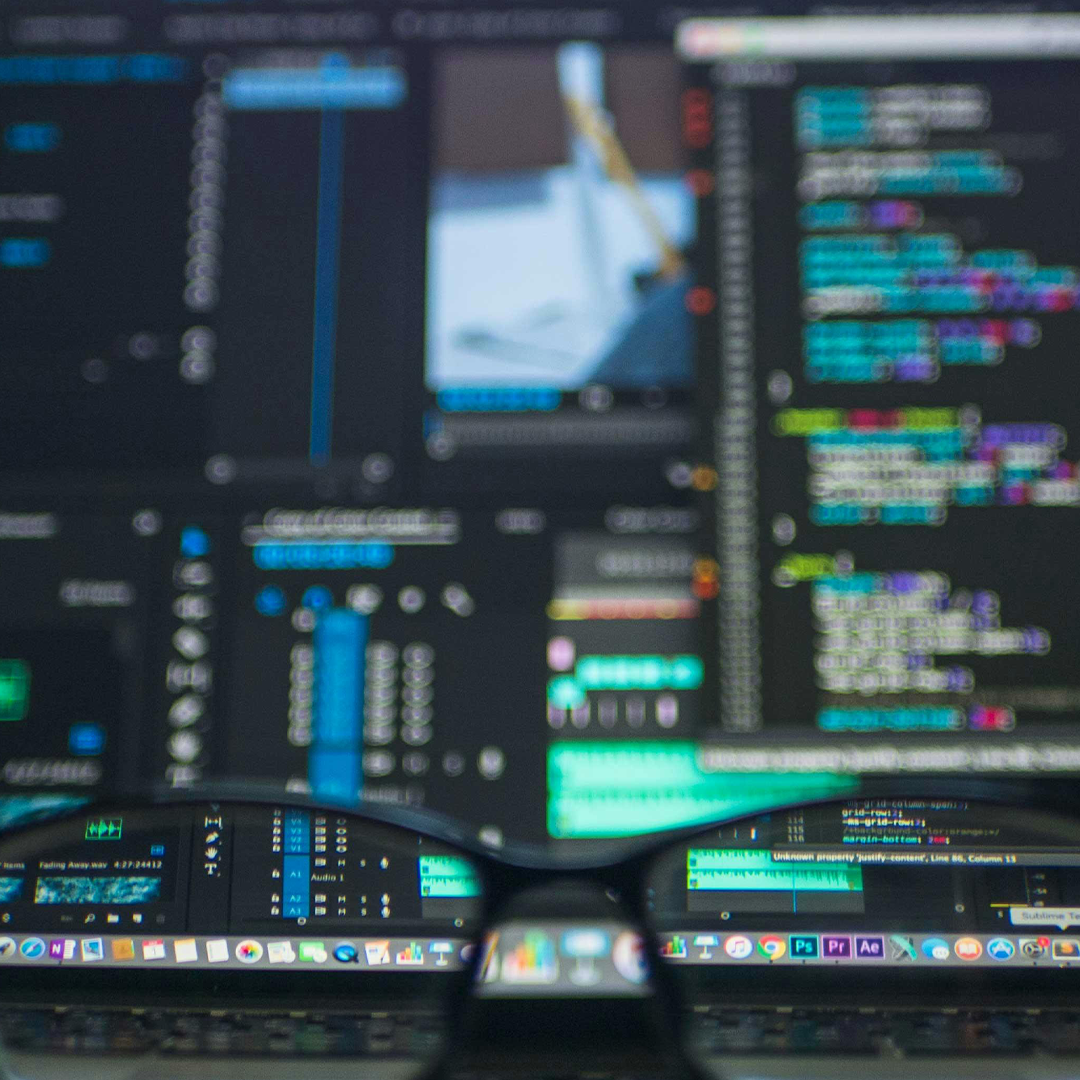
<point>327,259</point>
<point>334,757</point>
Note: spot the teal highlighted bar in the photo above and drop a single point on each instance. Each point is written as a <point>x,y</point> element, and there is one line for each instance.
<point>639,672</point>
<point>613,789</point>
<point>447,876</point>
<point>930,718</point>
<point>855,583</point>
<point>624,673</point>
<point>733,870</point>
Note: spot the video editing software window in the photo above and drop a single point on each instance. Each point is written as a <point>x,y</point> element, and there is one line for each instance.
<point>348,409</point>
<point>574,419</point>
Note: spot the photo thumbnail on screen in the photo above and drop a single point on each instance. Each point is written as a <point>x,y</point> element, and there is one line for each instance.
<point>559,222</point>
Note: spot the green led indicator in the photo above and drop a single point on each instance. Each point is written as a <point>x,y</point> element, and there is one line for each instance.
<point>105,829</point>
<point>14,689</point>
<point>565,692</point>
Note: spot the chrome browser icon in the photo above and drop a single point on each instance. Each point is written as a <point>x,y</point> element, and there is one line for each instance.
<point>771,946</point>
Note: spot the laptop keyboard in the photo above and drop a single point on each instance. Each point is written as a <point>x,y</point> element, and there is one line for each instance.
<point>715,1031</point>
<point>220,1032</point>
<point>889,1032</point>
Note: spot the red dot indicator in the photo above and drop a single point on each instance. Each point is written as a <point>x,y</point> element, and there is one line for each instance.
<point>700,300</point>
<point>701,182</point>
<point>706,588</point>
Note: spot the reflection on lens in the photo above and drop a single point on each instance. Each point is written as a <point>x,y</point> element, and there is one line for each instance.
<point>872,898</point>
<point>297,910</point>
<point>562,958</point>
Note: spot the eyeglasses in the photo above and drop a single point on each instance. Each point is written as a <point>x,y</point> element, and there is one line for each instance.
<point>476,961</point>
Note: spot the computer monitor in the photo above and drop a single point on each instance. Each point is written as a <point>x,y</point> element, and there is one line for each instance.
<point>385,411</point>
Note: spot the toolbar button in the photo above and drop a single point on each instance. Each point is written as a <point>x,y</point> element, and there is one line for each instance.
<point>803,946</point>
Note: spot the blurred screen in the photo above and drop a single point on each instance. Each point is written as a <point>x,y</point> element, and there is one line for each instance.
<point>385,411</point>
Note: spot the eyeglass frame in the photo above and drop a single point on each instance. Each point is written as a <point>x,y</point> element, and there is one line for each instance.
<point>618,868</point>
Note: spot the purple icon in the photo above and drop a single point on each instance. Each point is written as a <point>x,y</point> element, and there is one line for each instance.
<point>56,949</point>
<point>834,947</point>
<point>869,948</point>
